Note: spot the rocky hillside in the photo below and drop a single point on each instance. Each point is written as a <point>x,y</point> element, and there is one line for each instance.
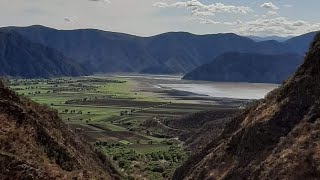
<point>276,138</point>
<point>20,57</point>
<point>248,67</point>
<point>36,144</point>
<point>174,52</point>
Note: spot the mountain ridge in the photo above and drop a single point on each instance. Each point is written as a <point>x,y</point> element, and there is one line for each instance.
<point>173,52</point>
<point>20,57</point>
<point>247,67</point>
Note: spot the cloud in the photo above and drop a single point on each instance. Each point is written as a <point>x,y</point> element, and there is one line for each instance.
<point>269,5</point>
<point>238,22</point>
<point>199,9</point>
<point>203,12</point>
<point>207,21</point>
<point>161,4</point>
<point>272,13</point>
<point>67,19</point>
<point>105,1</point>
<point>277,26</point>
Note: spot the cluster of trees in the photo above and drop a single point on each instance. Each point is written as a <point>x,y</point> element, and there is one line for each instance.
<point>74,101</point>
<point>127,113</point>
<point>34,93</point>
<point>160,163</point>
<point>66,111</point>
<point>31,87</point>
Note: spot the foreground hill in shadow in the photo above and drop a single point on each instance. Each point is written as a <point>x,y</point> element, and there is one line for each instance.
<point>247,67</point>
<point>174,52</point>
<point>20,57</point>
<point>275,138</point>
<point>36,144</point>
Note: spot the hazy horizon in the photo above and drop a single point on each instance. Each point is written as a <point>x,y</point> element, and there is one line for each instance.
<point>151,17</point>
<point>89,28</point>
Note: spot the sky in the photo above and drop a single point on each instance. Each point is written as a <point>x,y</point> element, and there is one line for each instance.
<point>151,17</point>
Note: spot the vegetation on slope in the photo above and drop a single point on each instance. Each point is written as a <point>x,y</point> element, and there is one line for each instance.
<point>276,138</point>
<point>36,144</point>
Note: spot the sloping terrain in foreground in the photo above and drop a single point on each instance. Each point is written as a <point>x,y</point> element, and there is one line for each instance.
<point>276,138</point>
<point>36,144</point>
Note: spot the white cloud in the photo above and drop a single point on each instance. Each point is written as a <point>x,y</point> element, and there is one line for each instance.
<point>199,9</point>
<point>238,22</point>
<point>202,12</point>
<point>161,4</point>
<point>207,21</point>
<point>277,26</point>
<point>105,1</point>
<point>67,19</point>
<point>272,13</point>
<point>269,5</point>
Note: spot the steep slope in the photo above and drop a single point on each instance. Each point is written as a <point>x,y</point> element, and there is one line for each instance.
<point>298,44</point>
<point>20,57</point>
<point>175,52</point>
<point>276,138</point>
<point>36,144</point>
<point>245,67</point>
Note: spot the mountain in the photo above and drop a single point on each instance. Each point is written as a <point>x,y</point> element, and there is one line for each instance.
<point>36,144</point>
<point>298,44</point>
<point>22,58</point>
<point>268,38</point>
<point>274,138</point>
<point>247,67</point>
<point>174,52</point>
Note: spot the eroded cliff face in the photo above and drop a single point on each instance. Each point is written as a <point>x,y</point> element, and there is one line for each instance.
<point>36,144</point>
<point>276,138</point>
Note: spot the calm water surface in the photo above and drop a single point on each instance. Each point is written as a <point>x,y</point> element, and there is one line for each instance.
<point>226,90</point>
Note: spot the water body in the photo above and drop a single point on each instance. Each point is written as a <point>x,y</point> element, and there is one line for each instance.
<point>225,90</point>
<point>204,88</point>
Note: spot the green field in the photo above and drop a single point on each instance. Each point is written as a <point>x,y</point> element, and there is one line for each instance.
<point>109,113</point>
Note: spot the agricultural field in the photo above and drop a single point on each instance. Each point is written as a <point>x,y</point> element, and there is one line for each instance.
<point>109,112</point>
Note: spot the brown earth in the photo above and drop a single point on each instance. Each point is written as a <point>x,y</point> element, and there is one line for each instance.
<point>36,144</point>
<point>276,138</point>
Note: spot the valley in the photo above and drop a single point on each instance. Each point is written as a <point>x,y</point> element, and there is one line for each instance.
<point>159,90</point>
<point>132,117</point>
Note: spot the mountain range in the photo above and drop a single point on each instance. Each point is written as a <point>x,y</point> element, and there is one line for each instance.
<point>20,57</point>
<point>247,67</point>
<point>174,52</point>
